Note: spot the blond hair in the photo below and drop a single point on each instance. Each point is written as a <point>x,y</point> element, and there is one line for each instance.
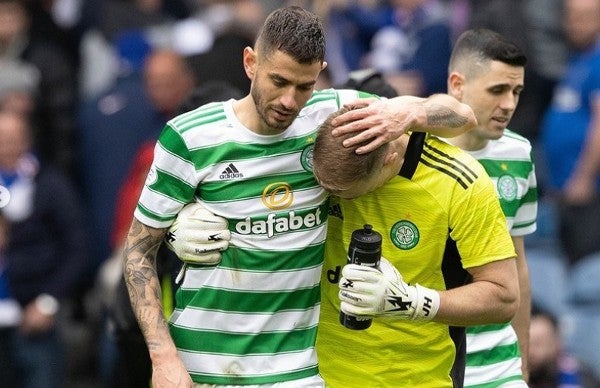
<point>337,168</point>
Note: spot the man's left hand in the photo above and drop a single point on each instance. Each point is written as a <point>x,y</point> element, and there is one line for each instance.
<point>198,236</point>
<point>367,291</point>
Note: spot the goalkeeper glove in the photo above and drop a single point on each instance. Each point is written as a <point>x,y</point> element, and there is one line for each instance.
<point>198,236</point>
<point>367,291</point>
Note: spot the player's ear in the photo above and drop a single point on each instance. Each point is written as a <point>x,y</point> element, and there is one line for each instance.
<point>456,83</point>
<point>249,59</point>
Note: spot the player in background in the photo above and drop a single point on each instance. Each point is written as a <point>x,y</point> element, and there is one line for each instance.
<point>486,72</point>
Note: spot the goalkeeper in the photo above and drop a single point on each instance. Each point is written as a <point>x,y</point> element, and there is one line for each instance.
<point>431,214</point>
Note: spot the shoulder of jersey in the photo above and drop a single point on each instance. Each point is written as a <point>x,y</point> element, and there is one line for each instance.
<point>450,161</point>
<point>513,135</point>
<point>516,139</point>
<point>321,98</point>
<point>211,113</point>
<point>333,98</point>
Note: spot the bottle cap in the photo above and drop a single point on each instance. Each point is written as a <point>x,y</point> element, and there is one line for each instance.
<point>366,238</point>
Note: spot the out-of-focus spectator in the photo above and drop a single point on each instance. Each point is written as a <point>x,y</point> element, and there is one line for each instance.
<point>118,16</point>
<point>548,50</point>
<point>539,34</point>
<point>580,322</point>
<point>19,85</point>
<point>168,80</point>
<point>112,126</point>
<point>46,250</point>
<point>350,27</point>
<point>414,49</point>
<point>223,61</point>
<point>115,125</point>
<point>571,134</point>
<point>53,118</point>
<point>243,16</point>
<point>233,25</point>
<point>59,21</point>
<point>503,16</point>
<point>107,22</point>
<point>550,366</point>
<point>370,81</point>
<point>10,311</point>
<point>209,33</point>
<point>459,13</point>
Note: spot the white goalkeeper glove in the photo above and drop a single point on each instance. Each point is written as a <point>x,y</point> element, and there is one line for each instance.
<point>367,291</point>
<point>198,236</point>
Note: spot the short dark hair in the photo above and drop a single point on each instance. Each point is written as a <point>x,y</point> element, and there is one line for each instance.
<point>481,45</point>
<point>295,31</point>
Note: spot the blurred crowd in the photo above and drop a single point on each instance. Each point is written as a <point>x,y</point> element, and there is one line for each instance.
<point>87,86</point>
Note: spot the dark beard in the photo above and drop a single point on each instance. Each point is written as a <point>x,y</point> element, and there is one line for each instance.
<point>261,109</point>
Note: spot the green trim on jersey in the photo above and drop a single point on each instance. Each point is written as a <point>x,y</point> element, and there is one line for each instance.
<point>242,344</point>
<point>172,142</point>
<point>216,379</point>
<point>486,328</point>
<point>324,95</point>
<point>492,356</point>
<point>142,210</point>
<point>172,187</point>
<point>207,114</point>
<point>499,382</point>
<point>292,259</point>
<point>228,300</point>
<point>232,150</point>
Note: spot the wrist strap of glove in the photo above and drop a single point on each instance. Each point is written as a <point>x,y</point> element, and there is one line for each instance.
<point>427,304</point>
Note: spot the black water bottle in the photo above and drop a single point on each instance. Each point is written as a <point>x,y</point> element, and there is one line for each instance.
<point>364,249</point>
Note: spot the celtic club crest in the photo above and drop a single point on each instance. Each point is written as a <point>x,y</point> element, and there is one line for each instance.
<point>405,235</point>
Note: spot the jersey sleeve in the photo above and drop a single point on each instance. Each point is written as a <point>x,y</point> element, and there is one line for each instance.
<point>478,225</point>
<point>171,181</point>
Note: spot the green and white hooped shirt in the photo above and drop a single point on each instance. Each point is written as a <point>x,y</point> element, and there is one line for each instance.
<point>253,318</point>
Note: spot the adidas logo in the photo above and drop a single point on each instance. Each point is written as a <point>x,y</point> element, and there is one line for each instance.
<point>231,172</point>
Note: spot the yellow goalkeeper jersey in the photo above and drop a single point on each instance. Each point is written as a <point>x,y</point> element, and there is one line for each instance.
<point>438,216</point>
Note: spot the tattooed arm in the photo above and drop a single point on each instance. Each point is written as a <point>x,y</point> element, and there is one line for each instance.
<point>380,121</point>
<point>143,284</point>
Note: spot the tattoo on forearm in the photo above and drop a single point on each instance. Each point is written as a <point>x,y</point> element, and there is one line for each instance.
<point>143,285</point>
<point>442,116</point>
